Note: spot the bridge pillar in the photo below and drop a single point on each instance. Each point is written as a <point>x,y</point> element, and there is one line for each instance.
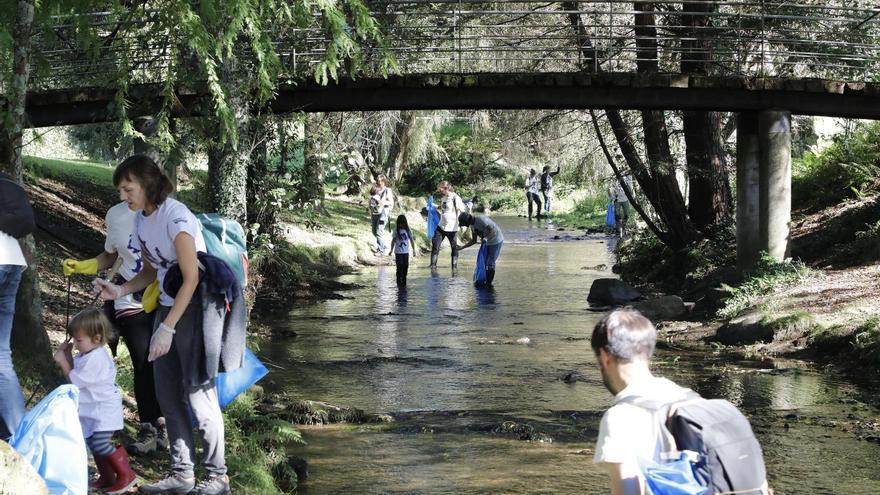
<point>774,133</point>
<point>763,185</point>
<point>748,236</point>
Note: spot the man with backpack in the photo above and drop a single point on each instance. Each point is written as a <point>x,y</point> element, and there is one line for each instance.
<point>547,185</point>
<point>653,421</point>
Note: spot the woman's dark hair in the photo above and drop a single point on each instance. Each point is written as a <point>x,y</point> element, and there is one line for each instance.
<point>144,171</point>
<point>465,218</point>
<point>402,223</point>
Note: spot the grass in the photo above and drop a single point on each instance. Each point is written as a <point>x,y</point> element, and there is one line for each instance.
<point>767,276</point>
<point>588,213</point>
<point>866,340</point>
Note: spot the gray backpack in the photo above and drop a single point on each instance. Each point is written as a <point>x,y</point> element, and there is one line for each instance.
<point>729,459</point>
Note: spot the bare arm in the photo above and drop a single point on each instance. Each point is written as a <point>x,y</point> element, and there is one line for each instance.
<point>412,242</point>
<point>623,480</point>
<point>140,281</point>
<point>472,241</point>
<point>106,260</point>
<point>64,358</point>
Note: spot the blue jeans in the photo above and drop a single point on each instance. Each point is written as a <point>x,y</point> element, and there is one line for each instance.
<point>378,223</point>
<point>492,253</point>
<point>546,194</point>
<point>11,399</point>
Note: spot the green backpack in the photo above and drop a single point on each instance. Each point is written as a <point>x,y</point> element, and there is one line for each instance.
<point>225,239</point>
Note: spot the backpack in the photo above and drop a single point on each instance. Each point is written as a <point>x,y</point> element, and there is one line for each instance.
<point>225,239</point>
<point>717,440</point>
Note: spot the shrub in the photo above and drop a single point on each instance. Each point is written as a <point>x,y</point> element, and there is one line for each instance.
<point>767,275</point>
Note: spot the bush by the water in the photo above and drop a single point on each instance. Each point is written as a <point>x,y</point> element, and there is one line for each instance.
<point>850,167</point>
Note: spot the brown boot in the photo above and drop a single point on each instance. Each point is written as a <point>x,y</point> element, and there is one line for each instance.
<point>106,474</point>
<point>125,477</point>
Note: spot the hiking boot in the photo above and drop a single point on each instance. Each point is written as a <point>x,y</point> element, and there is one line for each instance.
<point>147,437</point>
<point>174,484</point>
<point>214,484</point>
<point>162,442</point>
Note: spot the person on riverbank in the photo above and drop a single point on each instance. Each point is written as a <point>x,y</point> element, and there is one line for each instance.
<point>623,343</point>
<point>532,193</point>
<point>100,404</point>
<point>403,242</point>
<point>130,320</point>
<point>185,367</point>
<point>547,185</point>
<point>483,227</point>
<point>451,205</point>
<point>381,203</point>
<point>621,204</point>
<point>16,221</point>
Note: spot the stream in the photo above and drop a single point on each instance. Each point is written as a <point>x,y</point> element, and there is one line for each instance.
<point>474,381</point>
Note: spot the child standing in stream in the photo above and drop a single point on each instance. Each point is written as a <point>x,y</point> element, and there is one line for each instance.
<point>100,404</point>
<point>403,242</point>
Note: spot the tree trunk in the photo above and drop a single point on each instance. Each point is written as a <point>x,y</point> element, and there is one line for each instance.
<point>227,159</point>
<point>396,160</point>
<point>709,198</point>
<point>311,188</point>
<point>28,334</point>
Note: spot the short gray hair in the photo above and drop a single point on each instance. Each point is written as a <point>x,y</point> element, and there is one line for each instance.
<point>625,334</point>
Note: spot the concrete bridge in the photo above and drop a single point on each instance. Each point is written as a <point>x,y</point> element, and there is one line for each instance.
<point>762,59</point>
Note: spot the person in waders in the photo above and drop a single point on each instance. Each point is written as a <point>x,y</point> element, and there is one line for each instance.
<point>170,239</point>
<point>131,318</point>
<point>483,227</point>
<point>451,206</point>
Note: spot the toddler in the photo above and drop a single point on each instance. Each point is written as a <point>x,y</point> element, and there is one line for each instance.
<point>100,404</point>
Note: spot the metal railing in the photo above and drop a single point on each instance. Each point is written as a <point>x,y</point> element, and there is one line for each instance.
<point>791,39</point>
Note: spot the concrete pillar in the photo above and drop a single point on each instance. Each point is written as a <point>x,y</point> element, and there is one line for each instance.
<point>748,237</point>
<point>148,126</point>
<point>774,135</point>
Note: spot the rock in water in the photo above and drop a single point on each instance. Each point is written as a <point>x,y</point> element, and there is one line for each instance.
<point>18,476</point>
<point>612,291</point>
<point>662,308</point>
<point>523,340</point>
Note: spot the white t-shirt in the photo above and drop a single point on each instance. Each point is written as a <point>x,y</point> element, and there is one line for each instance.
<point>402,244</point>
<point>156,234</point>
<point>488,230</point>
<point>619,193</point>
<point>450,207</point>
<point>532,184</point>
<point>10,251</point>
<point>100,403</point>
<point>120,222</point>
<point>628,432</point>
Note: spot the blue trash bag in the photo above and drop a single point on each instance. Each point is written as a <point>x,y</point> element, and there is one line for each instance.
<point>609,215</point>
<point>433,217</point>
<point>480,269</point>
<point>672,477</point>
<point>231,384</point>
<point>51,439</point>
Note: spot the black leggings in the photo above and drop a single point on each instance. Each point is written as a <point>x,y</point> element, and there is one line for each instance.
<point>537,199</point>
<point>402,261</point>
<point>437,240</point>
<point>137,330</point>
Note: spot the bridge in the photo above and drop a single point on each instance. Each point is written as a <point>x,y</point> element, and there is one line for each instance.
<point>764,59</point>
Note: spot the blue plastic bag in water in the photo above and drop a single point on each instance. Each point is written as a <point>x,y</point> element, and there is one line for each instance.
<point>671,477</point>
<point>51,439</point>
<point>231,384</point>
<point>433,217</point>
<point>609,215</point>
<point>480,269</point>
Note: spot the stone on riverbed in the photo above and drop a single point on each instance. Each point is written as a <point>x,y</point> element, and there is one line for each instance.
<point>747,328</point>
<point>612,291</point>
<point>18,475</point>
<point>661,308</point>
<point>308,412</point>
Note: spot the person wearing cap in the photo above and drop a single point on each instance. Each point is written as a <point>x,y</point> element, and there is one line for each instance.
<point>483,227</point>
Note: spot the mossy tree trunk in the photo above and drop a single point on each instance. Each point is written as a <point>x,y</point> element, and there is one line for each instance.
<point>28,334</point>
<point>311,188</point>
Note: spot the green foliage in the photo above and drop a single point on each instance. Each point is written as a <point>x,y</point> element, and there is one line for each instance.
<point>587,213</point>
<point>850,167</point>
<point>866,340</point>
<point>467,161</point>
<point>286,268</point>
<point>75,173</point>
<point>766,276</point>
<point>101,142</point>
<point>871,233</point>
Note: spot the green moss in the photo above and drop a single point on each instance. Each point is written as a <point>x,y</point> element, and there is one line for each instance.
<point>866,340</point>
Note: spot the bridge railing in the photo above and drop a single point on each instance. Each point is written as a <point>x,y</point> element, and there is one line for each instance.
<point>838,39</point>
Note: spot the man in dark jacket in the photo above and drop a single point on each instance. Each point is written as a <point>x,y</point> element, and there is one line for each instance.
<point>16,221</point>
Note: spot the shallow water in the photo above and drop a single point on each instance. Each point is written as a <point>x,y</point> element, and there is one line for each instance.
<point>447,361</point>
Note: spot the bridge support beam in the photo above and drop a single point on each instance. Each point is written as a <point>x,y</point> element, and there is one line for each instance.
<point>763,163</point>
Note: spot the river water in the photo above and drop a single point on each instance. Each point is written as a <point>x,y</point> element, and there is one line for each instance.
<point>451,364</point>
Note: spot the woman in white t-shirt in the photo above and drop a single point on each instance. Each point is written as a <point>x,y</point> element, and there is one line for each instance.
<point>451,205</point>
<point>169,234</point>
<point>129,320</point>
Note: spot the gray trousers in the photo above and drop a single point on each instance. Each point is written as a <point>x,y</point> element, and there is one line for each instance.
<point>177,395</point>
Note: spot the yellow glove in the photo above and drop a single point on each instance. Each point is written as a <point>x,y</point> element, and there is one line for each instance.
<point>151,297</point>
<point>87,267</point>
